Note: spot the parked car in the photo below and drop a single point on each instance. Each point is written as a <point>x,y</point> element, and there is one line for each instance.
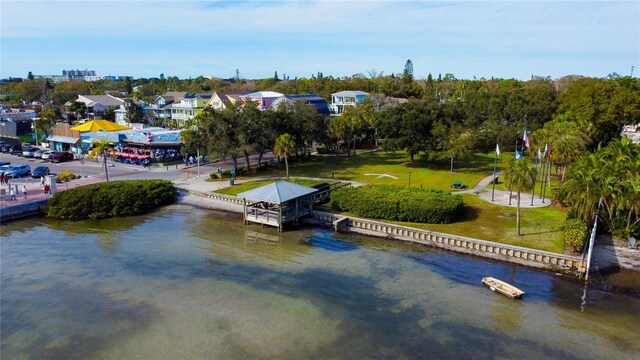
<point>60,156</point>
<point>13,149</point>
<point>18,171</point>
<point>3,163</point>
<point>4,168</point>
<point>45,154</point>
<point>40,171</point>
<point>28,151</point>
<point>38,154</point>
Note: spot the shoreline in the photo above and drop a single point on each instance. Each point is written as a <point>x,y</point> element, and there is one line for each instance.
<point>487,249</point>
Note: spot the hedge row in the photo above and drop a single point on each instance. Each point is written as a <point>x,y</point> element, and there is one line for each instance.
<point>575,233</point>
<point>115,198</point>
<point>397,203</point>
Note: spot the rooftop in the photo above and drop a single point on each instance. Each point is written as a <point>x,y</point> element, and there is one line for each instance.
<point>350,93</point>
<point>278,192</point>
<point>263,94</point>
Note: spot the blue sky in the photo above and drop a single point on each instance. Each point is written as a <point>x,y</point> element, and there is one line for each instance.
<point>511,39</point>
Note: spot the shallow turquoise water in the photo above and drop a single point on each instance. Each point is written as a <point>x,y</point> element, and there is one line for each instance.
<point>190,284</point>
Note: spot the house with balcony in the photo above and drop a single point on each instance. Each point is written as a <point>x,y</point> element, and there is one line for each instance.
<point>187,107</point>
<point>343,99</point>
<point>220,100</point>
<point>159,111</point>
<point>318,103</point>
<point>264,99</point>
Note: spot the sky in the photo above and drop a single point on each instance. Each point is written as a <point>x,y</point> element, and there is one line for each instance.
<point>504,39</point>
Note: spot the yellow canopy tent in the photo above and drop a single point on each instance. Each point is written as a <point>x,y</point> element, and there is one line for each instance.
<point>100,125</point>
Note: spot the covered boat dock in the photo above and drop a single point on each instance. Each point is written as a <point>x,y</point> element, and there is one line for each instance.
<point>278,203</point>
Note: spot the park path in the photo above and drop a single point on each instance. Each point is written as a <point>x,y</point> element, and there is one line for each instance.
<point>480,185</point>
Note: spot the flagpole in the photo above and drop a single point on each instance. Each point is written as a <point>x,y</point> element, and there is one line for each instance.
<point>533,191</point>
<point>544,180</point>
<point>510,190</point>
<point>544,171</point>
<point>495,163</point>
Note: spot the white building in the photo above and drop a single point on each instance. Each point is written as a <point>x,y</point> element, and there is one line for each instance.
<point>341,100</point>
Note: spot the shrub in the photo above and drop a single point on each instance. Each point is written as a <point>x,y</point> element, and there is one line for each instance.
<point>65,176</point>
<point>115,198</point>
<point>396,203</point>
<point>575,233</point>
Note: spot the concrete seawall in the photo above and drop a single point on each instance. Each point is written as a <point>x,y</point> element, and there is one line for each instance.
<point>509,253</point>
<point>515,254</point>
<point>22,210</point>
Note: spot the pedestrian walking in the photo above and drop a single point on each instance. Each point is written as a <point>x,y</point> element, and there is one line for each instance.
<point>41,180</point>
<point>2,179</point>
<point>24,191</point>
<point>46,189</point>
<point>13,194</point>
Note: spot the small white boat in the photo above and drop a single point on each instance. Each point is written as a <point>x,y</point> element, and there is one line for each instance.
<point>502,287</point>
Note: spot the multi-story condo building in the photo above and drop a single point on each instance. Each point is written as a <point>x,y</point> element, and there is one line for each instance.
<point>341,100</point>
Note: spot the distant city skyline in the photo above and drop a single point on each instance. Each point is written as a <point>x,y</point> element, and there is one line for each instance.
<point>301,38</point>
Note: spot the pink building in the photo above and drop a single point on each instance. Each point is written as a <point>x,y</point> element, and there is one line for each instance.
<point>264,99</point>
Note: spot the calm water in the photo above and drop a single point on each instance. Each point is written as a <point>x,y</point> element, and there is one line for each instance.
<point>191,284</point>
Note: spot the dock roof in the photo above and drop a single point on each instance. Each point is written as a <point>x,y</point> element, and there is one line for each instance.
<point>278,192</point>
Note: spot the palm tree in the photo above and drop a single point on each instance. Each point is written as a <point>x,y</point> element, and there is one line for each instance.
<point>610,175</point>
<point>519,176</point>
<point>285,146</point>
<point>101,148</point>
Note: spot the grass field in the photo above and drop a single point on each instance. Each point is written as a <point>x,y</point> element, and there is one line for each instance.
<point>423,173</point>
<point>541,227</point>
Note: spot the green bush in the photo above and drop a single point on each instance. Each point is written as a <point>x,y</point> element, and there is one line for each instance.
<point>115,198</point>
<point>391,202</point>
<point>575,233</point>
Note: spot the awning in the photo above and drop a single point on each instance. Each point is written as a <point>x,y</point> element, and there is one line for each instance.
<point>63,139</point>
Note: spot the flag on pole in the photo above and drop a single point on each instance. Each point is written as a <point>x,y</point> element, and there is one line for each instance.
<point>518,156</point>
<point>539,156</point>
<point>525,139</point>
<point>497,150</point>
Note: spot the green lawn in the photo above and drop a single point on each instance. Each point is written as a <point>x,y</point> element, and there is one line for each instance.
<point>423,173</point>
<point>238,188</point>
<point>541,227</point>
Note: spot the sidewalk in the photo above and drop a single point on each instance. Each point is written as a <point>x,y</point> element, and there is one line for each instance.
<point>501,197</point>
<point>35,192</point>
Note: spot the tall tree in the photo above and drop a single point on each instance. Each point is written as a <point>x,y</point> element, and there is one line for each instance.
<point>408,126</point>
<point>407,73</point>
<point>520,176</point>
<point>47,120</point>
<point>134,112</point>
<point>78,108</point>
<point>285,146</point>
<point>30,76</point>
<point>225,135</point>
<point>102,148</point>
<point>610,175</point>
<point>128,88</point>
